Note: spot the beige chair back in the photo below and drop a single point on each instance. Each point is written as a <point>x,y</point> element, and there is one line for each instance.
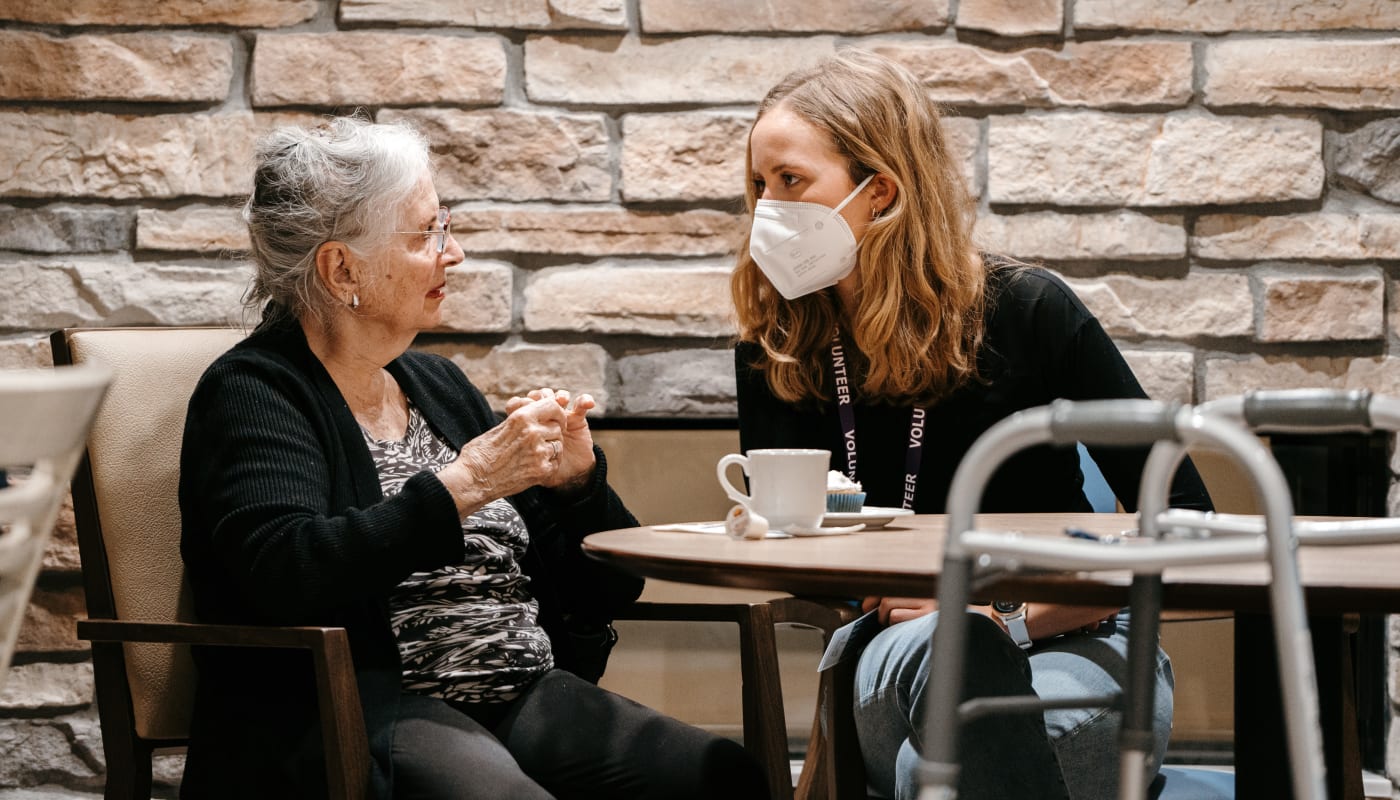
<point>134,453</point>
<point>44,419</point>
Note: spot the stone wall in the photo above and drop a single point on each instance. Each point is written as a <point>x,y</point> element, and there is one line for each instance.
<point>1216,178</point>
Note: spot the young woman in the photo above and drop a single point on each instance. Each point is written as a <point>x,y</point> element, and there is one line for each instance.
<point>872,326</point>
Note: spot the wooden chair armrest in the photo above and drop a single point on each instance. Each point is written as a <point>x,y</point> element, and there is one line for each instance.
<point>337,694</point>
<point>1171,615</point>
<point>824,613</point>
<point>120,630</point>
<point>648,610</point>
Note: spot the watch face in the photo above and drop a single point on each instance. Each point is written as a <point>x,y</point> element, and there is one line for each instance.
<point>1005,606</point>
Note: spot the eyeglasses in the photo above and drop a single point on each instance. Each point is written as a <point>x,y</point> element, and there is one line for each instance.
<point>441,230</point>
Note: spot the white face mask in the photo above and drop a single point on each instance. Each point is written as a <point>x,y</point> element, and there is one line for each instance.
<point>803,247</point>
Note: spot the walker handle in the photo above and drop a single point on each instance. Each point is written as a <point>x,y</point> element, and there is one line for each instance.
<point>1112,422</point>
<point>1331,410</point>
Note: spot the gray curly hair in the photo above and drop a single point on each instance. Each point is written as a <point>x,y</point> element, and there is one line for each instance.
<point>339,181</point>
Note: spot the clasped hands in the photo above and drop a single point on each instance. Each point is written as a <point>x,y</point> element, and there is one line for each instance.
<point>543,441</point>
<point>899,609</point>
<point>566,431</point>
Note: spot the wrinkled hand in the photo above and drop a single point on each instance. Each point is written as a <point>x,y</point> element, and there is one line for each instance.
<point>576,459</point>
<point>899,609</point>
<point>521,451</point>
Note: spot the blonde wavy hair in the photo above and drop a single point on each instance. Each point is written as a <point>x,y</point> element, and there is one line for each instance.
<point>919,305</point>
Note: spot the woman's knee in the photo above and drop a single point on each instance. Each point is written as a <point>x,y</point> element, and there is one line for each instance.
<point>905,648</point>
<point>581,740</point>
<point>440,753</point>
<point>1089,667</point>
<point>730,771</point>
<point>992,664</point>
<point>897,663</point>
<point>898,650</point>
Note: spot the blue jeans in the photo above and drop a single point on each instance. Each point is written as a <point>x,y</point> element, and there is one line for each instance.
<point>1003,756</point>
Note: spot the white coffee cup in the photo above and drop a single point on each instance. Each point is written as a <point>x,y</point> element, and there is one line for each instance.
<point>788,486</point>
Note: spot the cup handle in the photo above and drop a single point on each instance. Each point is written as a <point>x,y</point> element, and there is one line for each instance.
<point>733,493</point>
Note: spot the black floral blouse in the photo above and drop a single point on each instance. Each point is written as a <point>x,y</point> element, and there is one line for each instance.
<point>468,632</point>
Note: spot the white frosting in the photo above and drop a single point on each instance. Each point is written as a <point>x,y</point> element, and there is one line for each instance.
<point>838,482</point>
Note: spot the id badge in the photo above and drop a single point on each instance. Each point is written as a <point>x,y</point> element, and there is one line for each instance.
<point>850,639</point>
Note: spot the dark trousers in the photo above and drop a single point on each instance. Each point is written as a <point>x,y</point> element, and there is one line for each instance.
<point>563,738</point>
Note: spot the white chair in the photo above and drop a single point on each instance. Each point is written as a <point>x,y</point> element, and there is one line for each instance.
<point>977,557</point>
<point>44,420</point>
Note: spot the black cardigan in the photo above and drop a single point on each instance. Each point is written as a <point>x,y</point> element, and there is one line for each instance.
<point>1040,344</point>
<point>284,523</point>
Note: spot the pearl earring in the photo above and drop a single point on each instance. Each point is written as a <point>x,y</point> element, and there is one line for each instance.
<point>354,302</point>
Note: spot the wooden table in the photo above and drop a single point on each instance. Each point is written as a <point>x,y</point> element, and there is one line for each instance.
<point>905,558</point>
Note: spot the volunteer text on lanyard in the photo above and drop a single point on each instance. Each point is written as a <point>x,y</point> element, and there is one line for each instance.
<point>913,456</point>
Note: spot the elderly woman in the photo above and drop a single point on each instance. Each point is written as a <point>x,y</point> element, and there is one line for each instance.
<point>330,476</point>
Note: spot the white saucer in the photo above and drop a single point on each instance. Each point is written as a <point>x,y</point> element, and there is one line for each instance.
<point>794,530</point>
<point>871,516</point>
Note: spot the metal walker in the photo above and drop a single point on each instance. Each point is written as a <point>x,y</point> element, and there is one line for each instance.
<point>974,558</point>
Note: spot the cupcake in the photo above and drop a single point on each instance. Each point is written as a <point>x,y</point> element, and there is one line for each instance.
<point>843,495</point>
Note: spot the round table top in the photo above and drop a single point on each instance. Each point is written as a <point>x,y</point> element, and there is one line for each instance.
<point>904,559</point>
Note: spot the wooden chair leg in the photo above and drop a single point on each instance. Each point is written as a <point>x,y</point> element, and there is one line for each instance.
<point>833,767</point>
<point>845,764</point>
<point>1352,784</point>
<point>765,725</point>
<point>128,758</point>
<point>813,783</point>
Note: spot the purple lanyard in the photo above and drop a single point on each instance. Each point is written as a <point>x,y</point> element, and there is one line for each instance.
<point>913,455</point>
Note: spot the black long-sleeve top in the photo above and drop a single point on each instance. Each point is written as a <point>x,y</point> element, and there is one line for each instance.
<point>1040,344</point>
<point>284,523</point>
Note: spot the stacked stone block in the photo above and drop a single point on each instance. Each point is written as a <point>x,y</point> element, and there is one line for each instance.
<point>1217,179</point>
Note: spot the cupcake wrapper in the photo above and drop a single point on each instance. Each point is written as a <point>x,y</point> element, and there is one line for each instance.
<point>845,503</point>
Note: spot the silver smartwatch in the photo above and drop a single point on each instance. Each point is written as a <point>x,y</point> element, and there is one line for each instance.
<point>1013,616</point>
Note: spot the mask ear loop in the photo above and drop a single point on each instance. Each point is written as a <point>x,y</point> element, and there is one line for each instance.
<point>852,195</point>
